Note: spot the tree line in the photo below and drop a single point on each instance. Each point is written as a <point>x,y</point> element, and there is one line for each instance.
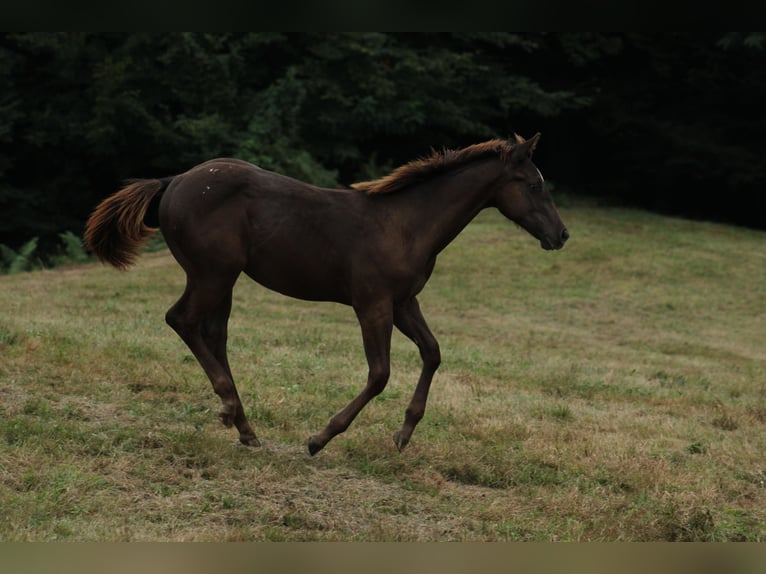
<point>666,121</point>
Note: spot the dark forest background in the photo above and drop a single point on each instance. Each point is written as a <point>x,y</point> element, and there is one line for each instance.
<point>671,122</point>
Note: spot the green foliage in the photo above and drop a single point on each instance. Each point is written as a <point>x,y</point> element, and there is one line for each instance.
<point>71,250</point>
<point>81,112</point>
<point>313,106</point>
<point>68,251</point>
<point>16,261</point>
<point>733,40</point>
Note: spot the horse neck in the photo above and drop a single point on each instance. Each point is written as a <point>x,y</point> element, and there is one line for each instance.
<point>445,206</point>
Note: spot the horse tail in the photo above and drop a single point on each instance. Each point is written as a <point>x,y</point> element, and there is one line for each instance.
<point>117,228</point>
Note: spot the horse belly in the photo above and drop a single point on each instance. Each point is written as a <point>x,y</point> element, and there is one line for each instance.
<point>299,277</point>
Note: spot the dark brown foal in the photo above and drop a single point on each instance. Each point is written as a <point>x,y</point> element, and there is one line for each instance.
<point>373,248</point>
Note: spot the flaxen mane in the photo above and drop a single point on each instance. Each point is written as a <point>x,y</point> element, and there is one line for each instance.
<point>438,162</point>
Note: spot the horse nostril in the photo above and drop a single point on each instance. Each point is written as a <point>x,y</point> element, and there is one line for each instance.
<point>564,235</point>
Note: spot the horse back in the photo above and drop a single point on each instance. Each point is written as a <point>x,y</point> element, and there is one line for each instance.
<point>227,215</point>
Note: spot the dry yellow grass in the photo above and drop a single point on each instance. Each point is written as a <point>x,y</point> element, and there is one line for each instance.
<point>612,391</point>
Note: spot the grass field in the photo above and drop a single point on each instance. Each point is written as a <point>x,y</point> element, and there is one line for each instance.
<point>615,390</point>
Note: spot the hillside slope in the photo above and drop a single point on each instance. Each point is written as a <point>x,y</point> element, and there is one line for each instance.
<point>615,390</point>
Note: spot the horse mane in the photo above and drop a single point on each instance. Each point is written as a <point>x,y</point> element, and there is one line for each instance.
<point>437,163</point>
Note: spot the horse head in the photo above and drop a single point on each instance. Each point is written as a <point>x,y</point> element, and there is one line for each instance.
<point>524,198</point>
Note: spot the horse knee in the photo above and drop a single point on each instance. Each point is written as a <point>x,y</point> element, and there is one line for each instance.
<point>431,355</point>
<point>378,378</point>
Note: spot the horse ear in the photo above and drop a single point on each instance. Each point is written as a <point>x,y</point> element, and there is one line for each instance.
<point>534,139</point>
<point>525,148</point>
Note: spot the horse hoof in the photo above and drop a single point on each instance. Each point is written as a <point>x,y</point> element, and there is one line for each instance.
<point>400,440</point>
<point>251,440</point>
<point>314,445</point>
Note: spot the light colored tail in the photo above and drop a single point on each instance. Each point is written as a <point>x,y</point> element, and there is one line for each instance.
<point>116,230</point>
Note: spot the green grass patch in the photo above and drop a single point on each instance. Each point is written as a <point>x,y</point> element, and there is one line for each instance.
<point>610,391</point>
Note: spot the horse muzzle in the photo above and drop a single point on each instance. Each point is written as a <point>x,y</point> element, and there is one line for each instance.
<point>551,244</point>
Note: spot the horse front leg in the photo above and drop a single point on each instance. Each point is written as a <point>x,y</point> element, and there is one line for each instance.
<point>376,322</point>
<point>409,320</point>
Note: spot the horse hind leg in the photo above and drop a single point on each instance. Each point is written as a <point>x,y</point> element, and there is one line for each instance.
<point>215,334</point>
<point>200,318</point>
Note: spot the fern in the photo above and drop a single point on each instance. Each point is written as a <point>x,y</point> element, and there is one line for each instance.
<point>22,260</point>
<point>7,255</point>
<point>72,250</point>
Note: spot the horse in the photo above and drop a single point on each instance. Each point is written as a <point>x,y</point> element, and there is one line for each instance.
<point>372,246</point>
